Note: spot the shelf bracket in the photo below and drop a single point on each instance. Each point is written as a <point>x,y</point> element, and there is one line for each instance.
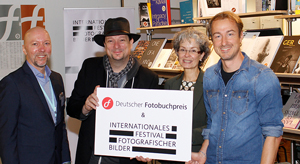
<point>149,34</point>
<point>290,20</point>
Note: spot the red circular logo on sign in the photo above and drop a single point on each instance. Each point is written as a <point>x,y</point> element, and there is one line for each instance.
<point>107,103</point>
<point>233,9</point>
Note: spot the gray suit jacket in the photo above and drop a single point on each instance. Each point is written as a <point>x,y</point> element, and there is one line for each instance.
<point>199,112</point>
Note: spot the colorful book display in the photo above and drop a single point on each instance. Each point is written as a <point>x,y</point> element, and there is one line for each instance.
<point>186,12</point>
<point>291,112</point>
<point>162,58</point>
<point>159,12</point>
<point>287,55</point>
<point>151,53</point>
<point>265,49</point>
<point>144,15</point>
<point>140,48</point>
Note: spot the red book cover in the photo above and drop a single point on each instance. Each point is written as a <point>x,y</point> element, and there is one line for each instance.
<point>169,12</point>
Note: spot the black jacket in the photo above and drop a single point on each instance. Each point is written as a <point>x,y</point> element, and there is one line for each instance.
<point>92,74</point>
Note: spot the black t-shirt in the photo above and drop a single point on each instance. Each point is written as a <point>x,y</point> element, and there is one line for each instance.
<point>226,76</point>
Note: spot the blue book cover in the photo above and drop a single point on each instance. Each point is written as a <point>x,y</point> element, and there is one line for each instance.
<point>186,12</point>
<point>159,12</point>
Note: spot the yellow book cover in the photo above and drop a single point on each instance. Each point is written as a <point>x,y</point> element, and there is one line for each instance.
<point>297,7</point>
<point>150,13</point>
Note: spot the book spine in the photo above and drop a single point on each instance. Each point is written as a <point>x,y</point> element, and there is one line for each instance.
<point>297,7</point>
<point>150,13</point>
<point>264,5</point>
<point>169,12</point>
<point>258,5</point>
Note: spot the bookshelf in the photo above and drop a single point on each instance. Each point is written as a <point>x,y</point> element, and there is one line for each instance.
<point>289,18</point>
<point>171,26</point>
<point>149,30</point>
<point>291,134</point>
<point>292,80</point>
<point>251,14</point>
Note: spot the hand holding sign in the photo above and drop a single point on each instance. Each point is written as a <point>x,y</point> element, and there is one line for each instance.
<point>148,124</point>
<point>91,102</point>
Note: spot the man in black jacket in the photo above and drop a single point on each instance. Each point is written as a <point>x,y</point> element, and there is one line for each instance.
<point>117,69</point>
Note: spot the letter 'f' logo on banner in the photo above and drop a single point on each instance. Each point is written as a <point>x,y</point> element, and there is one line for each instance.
<point>32,16</point>
<point>10,26</point>
<point>15,20</point>
<point>107,103</point>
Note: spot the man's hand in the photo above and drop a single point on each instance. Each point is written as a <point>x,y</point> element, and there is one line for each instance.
<point>141,158</point>
<point>91,102</point>
<point>197,158</point>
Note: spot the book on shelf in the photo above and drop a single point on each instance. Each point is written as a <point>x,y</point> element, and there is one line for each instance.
<point>144,15</point>
<point>291,112</point>
<point>287,55</point>
<point>140,48</point>
<point>278,5</point>
<point>150,13</point>
<point>265,5</point>
<point>168,8</point>
<point>151,53</point>
<point>231,5</point>
<point>159,10</point>
<point>162,58</point>
<point>209,7</point>
<point>258,5</point>
<point>248,41</point>
<point>171,60</point>
<point>195,9</point>
<point>177,65</point>
<point>212,59</point>
<point>175,16</point>
<point>186,12</point>
<point>296,69</point>
<point>297,6</point>
<point>265,49</point>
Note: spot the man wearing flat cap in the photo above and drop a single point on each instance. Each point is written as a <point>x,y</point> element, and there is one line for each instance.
<point>117,69</point>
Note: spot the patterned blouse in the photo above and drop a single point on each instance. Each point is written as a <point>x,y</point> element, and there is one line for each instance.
<point>187,85</point>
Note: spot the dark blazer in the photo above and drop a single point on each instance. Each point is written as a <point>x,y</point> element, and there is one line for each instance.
<point>92,73</point>
<point>199,112</point>
<point>28,134</point>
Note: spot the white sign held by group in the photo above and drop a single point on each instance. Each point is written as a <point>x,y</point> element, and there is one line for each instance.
<point>151,123</point>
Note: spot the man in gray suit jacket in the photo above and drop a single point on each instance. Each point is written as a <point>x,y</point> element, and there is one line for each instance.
<point>32,102</point>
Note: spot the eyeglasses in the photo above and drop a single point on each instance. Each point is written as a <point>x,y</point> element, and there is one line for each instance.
<point>191,52</point>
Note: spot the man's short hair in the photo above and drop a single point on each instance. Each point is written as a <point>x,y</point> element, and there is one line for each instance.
<point>225,15</point>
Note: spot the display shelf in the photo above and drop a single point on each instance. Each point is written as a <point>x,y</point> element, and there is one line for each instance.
<point>171,26</point>
<point>166,73</point>
<point>251,14</point>
<point>284,78</point>
<point>288,78</point>
<point>287,16</point>
<point>291,134</point>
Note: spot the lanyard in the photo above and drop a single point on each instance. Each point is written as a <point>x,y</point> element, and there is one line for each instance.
<point>51,103</point>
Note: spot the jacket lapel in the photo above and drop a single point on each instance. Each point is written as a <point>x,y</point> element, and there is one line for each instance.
<point>60,98</point>
<point>177,82</point>
<point>36,87</point>
<point>198,89</point>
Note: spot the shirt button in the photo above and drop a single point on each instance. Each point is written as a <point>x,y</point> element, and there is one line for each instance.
<point>219,162</point>
<point>222,130</point>
<point>220,146</point>
<point>223,112</point>
<point>225,95</point>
